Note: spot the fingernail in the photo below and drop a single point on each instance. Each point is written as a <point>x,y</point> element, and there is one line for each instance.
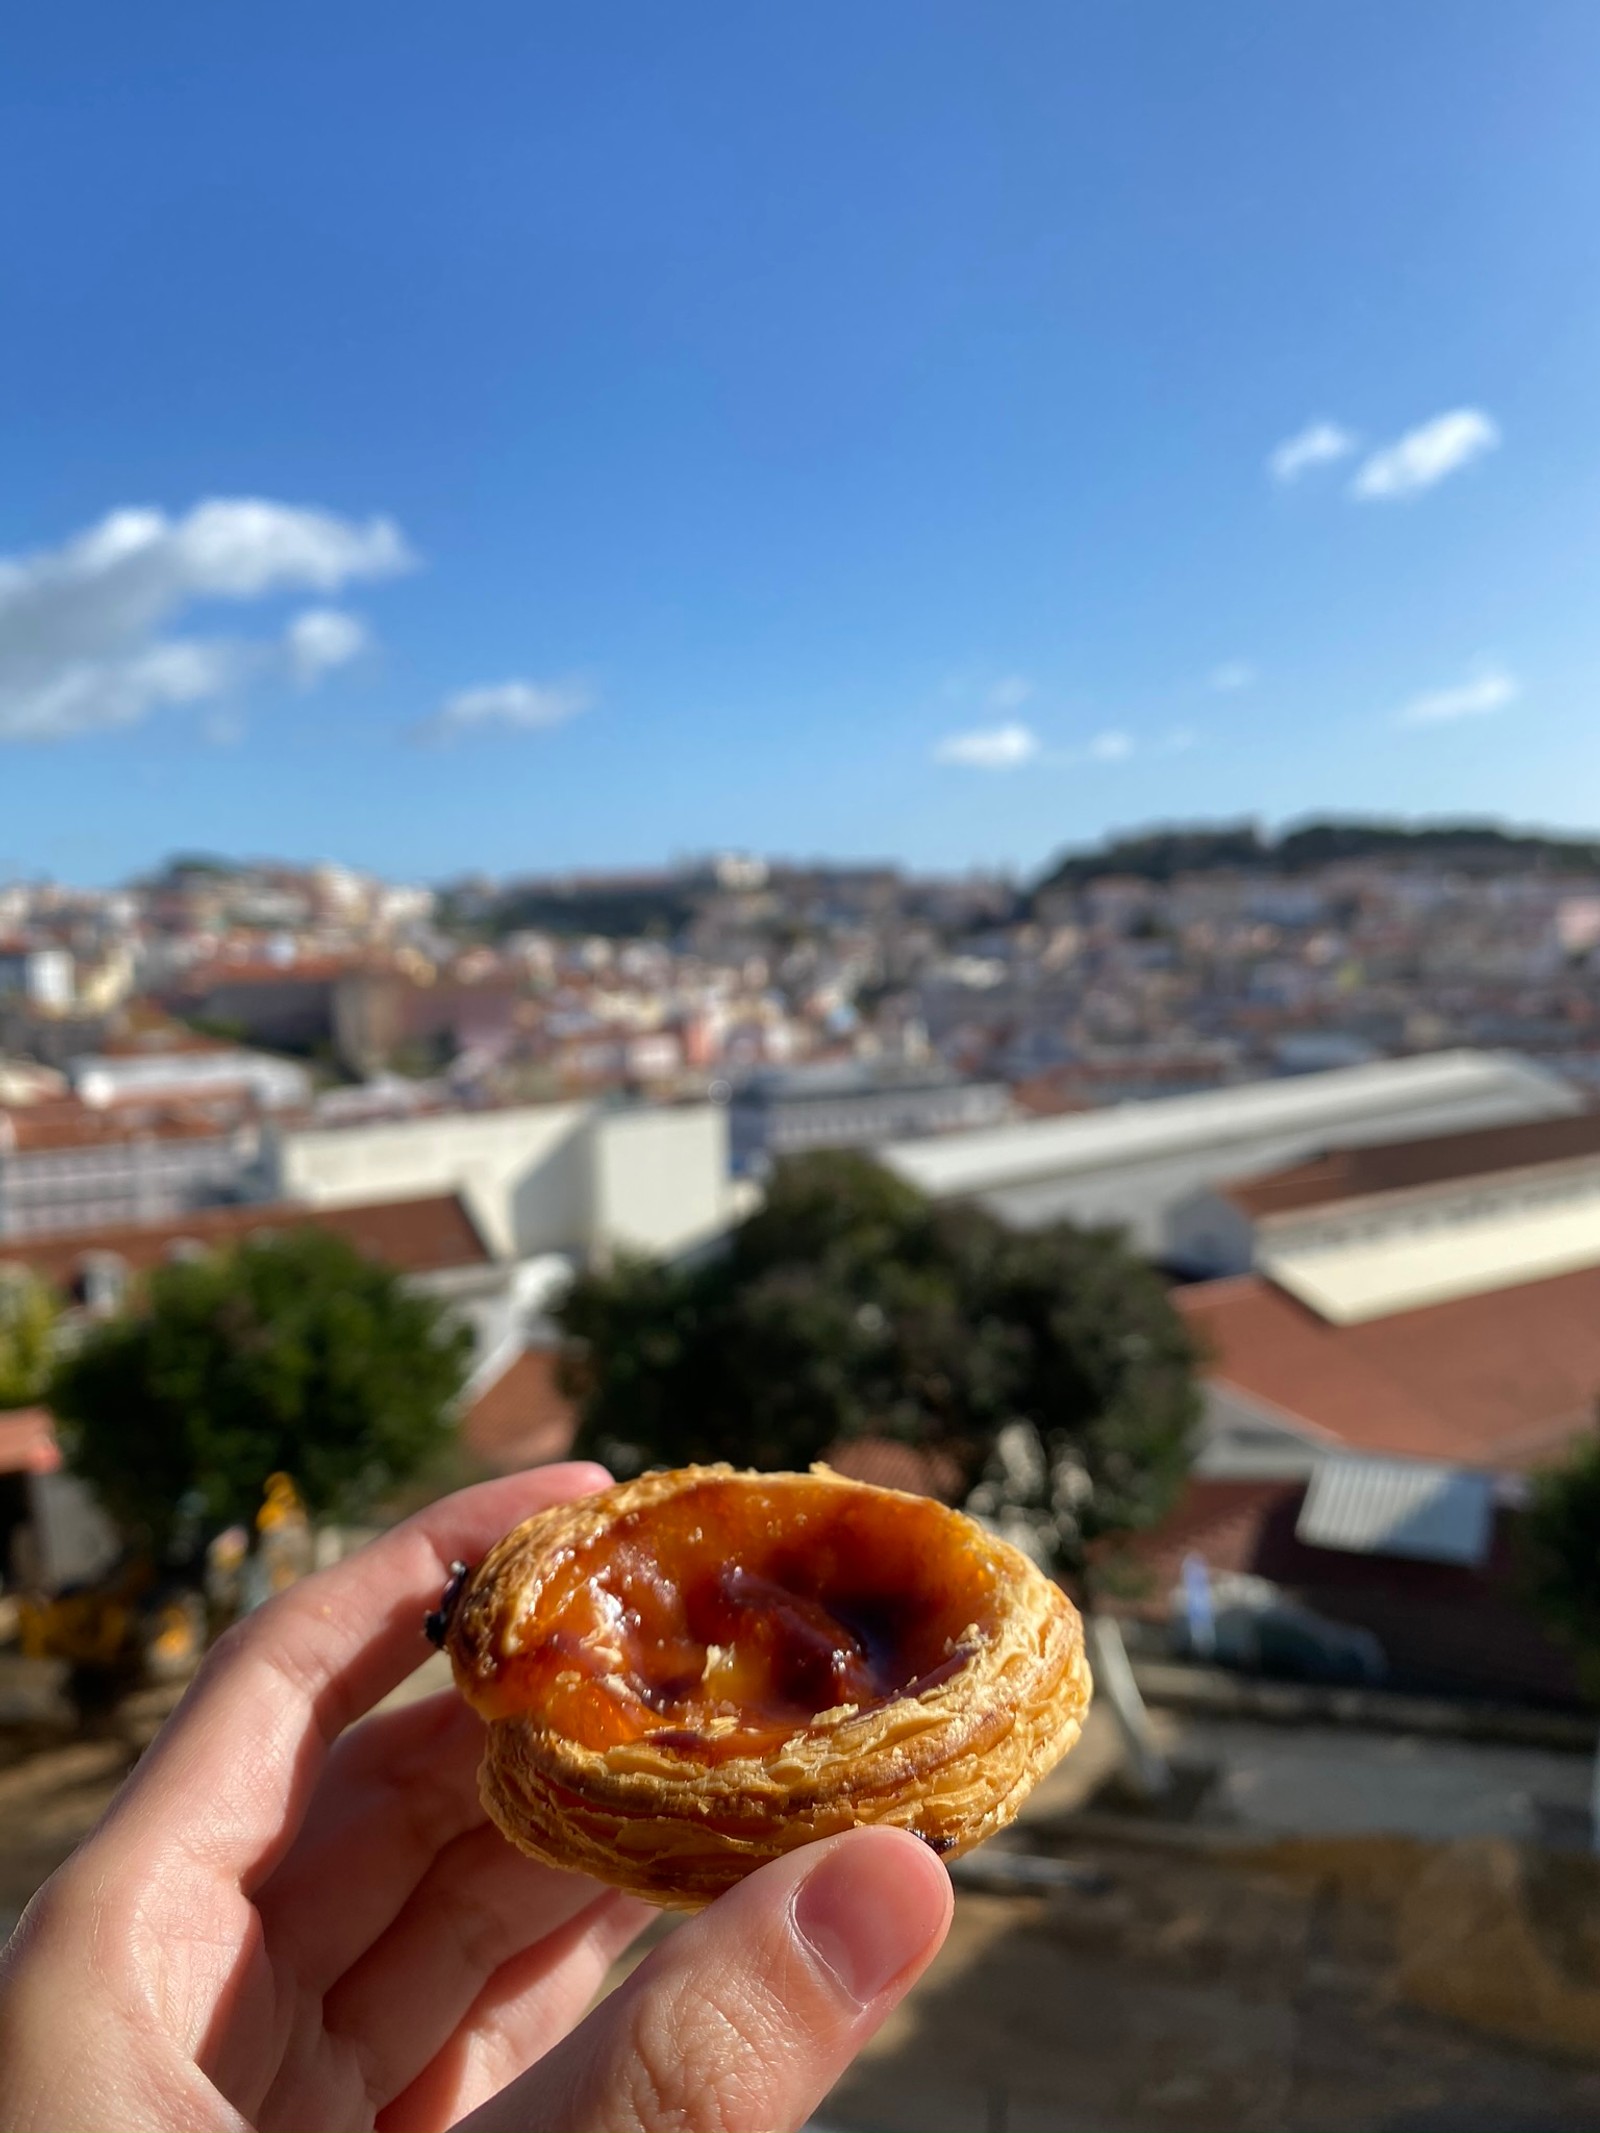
<point>874,1904</point>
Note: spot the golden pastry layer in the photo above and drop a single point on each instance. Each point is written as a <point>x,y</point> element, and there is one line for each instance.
<point>688,1674</point>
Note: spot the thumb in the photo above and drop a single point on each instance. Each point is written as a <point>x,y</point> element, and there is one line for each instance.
<point>743,2020</point>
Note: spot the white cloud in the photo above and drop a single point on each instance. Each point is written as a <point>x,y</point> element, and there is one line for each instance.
<point>87,696</point>
<point>989,747</point>
<point>322,638</point>
<point>1426,455</point>
<point>513,706</point>
<point>1317,445</point>
<point>1492,691</point>
<point>81,627</point>
<point>1232,674</point>
<point>1110,748</point>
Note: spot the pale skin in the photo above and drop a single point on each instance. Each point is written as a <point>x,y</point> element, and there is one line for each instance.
<point>296,1918</point>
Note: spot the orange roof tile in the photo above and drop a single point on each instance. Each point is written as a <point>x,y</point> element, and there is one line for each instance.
<point>523,1418</point>
<point>421,1236</point>
<point>888,1464</point>
<point>1404,1166</point>
<point>1504,1379</point>
<point>28,1442</point>
<point>65,1122</point>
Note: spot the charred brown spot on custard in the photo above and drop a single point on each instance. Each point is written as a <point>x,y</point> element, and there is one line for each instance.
<point>722,1620</point>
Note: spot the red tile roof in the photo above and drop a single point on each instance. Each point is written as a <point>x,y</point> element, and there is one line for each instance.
<point>314,969</point>
<point>415,1236</point>
<point>1504,1379</point>
<point>1404,1166</point>
<point>523,1418</point>
<point>28,1442</point>
<point>888,1464</point>
<point>65,1122</point>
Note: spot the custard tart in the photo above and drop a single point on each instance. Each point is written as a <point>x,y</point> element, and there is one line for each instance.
<point>686,1675</point>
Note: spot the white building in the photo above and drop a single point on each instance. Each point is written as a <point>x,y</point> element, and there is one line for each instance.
<point>583,1178</point>
<point>41,976</point>
<point>1534,1186</point>
<point>1136,1164</point>
<point>274,1084</point>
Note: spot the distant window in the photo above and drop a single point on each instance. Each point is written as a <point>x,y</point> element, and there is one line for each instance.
<point>182,1251</point>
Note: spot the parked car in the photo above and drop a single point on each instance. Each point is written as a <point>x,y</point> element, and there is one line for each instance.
<point>1253,1626</point>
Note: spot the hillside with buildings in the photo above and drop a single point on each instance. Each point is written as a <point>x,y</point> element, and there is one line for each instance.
<point>1335,1084</point>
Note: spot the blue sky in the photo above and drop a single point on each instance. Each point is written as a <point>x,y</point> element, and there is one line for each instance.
<point>522,438</point>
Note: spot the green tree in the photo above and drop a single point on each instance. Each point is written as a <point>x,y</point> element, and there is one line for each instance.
<point>1561,1553</point>
<point>290,1355</point>
<point>27,1331</point>
<point>1050,1365</point>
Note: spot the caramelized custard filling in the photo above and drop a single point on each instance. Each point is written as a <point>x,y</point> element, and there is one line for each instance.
<point>724,1620</point>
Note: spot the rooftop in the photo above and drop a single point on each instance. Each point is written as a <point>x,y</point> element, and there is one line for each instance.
<point>1408,1507</point>
<point>1373,1277</point>
<point>1502,1380</point>
<point>421,1236</point>
<point>1405,1166</point>
<point>521,1417</point>
<point>28,1441</point>
<point>1392,1089</point>
<point>826,1078</point>
<point>67,1122</point>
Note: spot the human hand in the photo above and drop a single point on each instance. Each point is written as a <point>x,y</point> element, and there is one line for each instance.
<point>289,1920</point>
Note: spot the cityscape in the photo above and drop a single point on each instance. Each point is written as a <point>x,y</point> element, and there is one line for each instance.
<point>1159,965</point>
<point>800,1069</point>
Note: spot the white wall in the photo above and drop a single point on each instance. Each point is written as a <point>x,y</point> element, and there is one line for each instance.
<point>660,1178</point>
<point>573,1178</point>
<point>493,1157</point>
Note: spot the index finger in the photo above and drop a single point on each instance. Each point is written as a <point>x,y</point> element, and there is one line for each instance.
<point>248,1741</point>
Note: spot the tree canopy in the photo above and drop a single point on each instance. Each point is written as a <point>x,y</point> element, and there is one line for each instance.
<point>27,1323</point>
<point>292,1354</point>
<point>1561,1542</point>
<point>849,1306</point>
<point>1474,847</point>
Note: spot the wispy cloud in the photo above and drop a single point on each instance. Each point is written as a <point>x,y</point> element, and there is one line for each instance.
<point>321,639</point>
<point>83,643</point>
<point>508,707</point>
<point>1231,675</point>
<point>989,747</point>
<point>1319,444</point>
<point>1489,692</point>
<point>1425,455</point>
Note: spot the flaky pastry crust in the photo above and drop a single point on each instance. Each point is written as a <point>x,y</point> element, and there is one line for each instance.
<point>678,1813</point>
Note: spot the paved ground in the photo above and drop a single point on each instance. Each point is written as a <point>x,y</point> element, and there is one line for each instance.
<point>1187,1998</point>
<point>1330,1780</point>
